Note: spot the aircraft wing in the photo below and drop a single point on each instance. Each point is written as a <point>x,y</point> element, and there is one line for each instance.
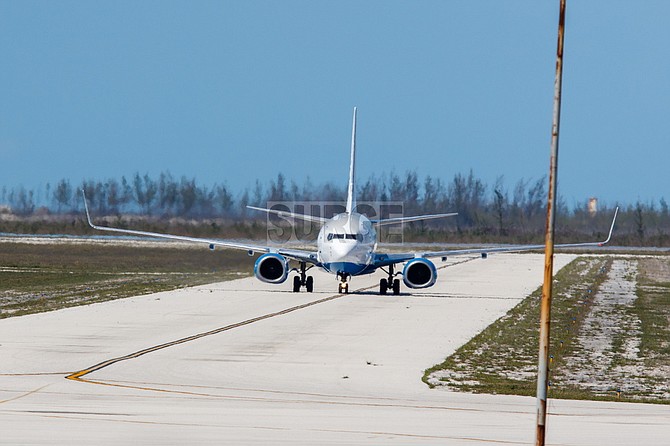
<point>297,254</point>
<point>380,260</point>
<point>387,259</point>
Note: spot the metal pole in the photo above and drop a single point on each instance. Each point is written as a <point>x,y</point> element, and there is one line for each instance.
<point>545,306</point>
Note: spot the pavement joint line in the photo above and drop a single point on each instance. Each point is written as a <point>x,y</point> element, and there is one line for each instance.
<point>77,416</point>
<point>295,400</point>
<point>23,395</point>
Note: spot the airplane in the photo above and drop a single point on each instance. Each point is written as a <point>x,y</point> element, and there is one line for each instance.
<point>346,246</point>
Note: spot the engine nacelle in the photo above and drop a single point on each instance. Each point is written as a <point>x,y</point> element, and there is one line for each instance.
<point>271,268</point>
<point>419,273</point>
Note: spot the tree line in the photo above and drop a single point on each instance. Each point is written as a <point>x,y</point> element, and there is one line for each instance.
<point>486,212</point>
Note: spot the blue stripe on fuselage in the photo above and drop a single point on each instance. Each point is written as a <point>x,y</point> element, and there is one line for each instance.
<point>354,269</point>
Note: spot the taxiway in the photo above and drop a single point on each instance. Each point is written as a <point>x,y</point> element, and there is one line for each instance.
<point>244,362</point>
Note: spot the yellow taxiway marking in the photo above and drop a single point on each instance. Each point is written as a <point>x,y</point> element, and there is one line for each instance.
<point>77,376</point>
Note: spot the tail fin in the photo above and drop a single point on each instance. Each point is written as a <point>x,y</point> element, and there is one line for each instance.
<point>351,190</point>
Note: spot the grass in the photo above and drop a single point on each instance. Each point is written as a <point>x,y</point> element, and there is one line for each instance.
<point>502,359</point>
<point>604,346</point>
<point>652,307</point>
<point>44,277</point>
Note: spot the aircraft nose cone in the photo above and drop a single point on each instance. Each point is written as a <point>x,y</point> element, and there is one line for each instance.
<point>343,248</point>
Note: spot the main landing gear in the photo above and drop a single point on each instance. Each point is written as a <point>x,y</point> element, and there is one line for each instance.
<point>303,280</point>
<point>390,283</point>
<point>343,286</point>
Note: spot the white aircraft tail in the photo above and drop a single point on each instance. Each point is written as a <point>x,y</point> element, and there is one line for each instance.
<point>351,190</point>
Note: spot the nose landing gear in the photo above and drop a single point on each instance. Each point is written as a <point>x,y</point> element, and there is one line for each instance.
<point>343,286</point>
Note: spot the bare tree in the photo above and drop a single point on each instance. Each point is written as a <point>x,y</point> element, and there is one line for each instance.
<point>62,194</point>
<point>24,202</point>
<point>639,221</point>
<point>168,196</point>
<point>500,203</point>
<point>145,191</point>
<point>224,200</point>
<point>278,189</point>
<point>188,195</point>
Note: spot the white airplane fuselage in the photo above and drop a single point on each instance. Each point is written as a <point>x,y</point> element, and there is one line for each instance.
<point>346,244</point>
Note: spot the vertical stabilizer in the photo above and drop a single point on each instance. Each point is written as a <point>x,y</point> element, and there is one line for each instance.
<point>351,199</point>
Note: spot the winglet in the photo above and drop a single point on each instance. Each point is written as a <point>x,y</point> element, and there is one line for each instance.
<point>88,215</point>
<point>609,236</point>
<point>351,190</point>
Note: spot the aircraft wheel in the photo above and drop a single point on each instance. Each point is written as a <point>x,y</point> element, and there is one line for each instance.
<point>296,284</point>
<point>310,284</point>
<point>383,286</point>
<point>396,287</point>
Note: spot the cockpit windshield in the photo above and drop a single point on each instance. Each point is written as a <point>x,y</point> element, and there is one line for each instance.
<point>332,236</point>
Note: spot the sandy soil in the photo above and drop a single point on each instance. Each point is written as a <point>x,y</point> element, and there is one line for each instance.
<point>607,358</point>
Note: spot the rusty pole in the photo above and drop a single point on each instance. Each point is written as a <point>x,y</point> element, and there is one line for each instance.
<point>545,306</point>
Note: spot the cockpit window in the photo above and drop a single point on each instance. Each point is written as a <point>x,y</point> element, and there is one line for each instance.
<point>358,237</point>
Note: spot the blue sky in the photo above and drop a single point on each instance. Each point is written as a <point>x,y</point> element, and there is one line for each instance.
<point>237,91</point>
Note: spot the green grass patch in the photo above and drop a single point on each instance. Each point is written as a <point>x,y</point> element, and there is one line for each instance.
<point>609,346</point>
<point>502,359</point>
<point>44,277</point>
<point>652,307</point>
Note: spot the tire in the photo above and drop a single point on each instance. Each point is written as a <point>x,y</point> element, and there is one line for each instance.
<point>396,287</point>
<point>383,286</point>
<point>296,284</point>
<point>310,284</point>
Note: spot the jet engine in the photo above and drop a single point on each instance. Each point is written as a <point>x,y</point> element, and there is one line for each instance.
<point>271,268</point>
<point>419,273</point>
